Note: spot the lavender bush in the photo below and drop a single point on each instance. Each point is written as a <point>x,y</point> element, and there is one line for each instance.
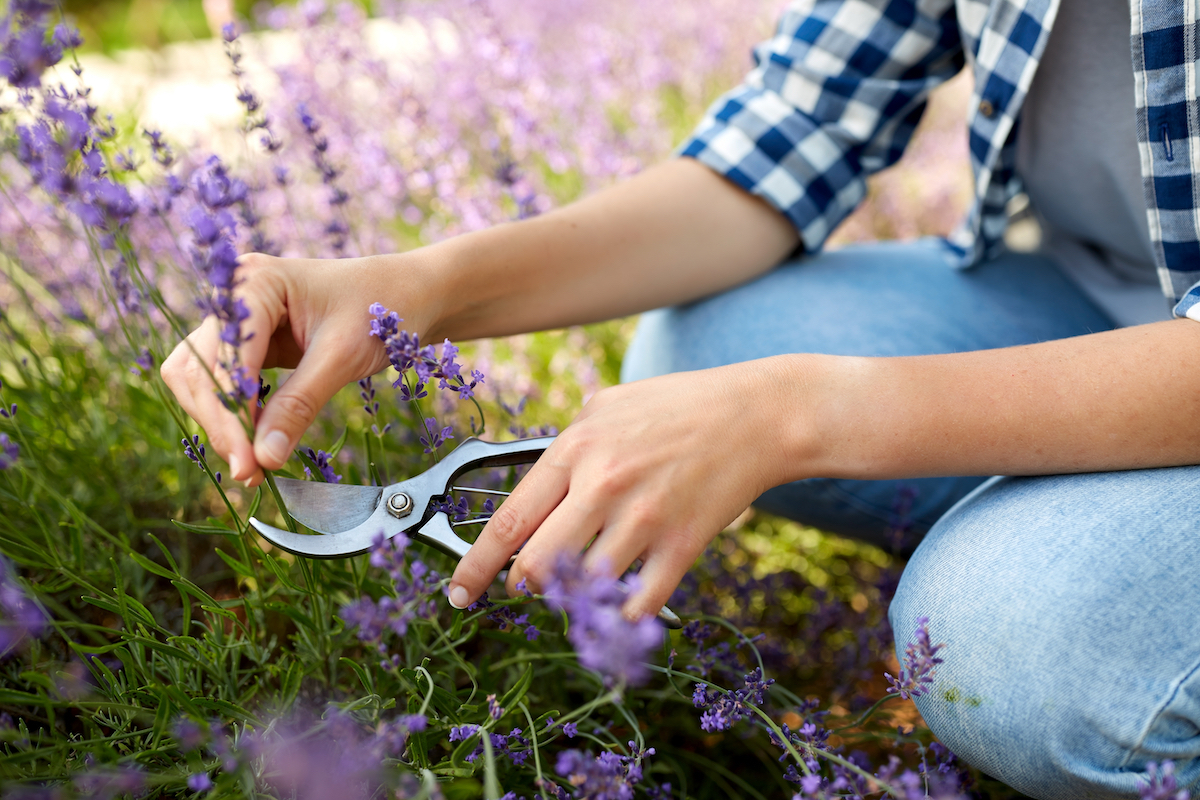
<point>151,645</point>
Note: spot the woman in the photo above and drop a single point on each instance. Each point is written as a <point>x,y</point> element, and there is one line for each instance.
<point>813,384</point>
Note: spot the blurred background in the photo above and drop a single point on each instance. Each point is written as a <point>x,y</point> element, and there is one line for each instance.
<point>161,60</point>
<point>110,25</point>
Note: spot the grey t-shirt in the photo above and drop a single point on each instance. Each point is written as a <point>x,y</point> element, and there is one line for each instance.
<point>1077,154</point>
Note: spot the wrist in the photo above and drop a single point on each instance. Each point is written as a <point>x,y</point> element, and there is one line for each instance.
<point>416,285</point>
<point>814,407</point>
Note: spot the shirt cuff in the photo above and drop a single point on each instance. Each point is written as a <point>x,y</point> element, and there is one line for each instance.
<point>1189,305</point>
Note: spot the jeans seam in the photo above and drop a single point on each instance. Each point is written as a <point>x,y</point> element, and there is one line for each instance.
<point>1158,712</point>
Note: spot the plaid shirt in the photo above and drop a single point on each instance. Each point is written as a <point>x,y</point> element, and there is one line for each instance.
<point>837,93</point>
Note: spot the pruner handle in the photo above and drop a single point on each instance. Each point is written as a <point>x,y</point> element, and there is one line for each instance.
<point>478,454</point>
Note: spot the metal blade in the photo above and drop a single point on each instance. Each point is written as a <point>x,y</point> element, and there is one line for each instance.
<point>328,507</point>
<point>333,545</point>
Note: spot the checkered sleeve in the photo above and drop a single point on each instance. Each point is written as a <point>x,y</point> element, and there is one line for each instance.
<point>834,96</point>
<point>1188,306</point>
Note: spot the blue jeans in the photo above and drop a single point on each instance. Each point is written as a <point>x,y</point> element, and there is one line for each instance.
<point>1069,604</point>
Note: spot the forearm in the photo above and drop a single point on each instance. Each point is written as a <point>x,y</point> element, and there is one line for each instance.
<point>674,233</point>
<point>1118,400</point>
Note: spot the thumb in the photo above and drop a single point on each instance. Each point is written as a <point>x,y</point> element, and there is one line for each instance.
<point>318,377</point>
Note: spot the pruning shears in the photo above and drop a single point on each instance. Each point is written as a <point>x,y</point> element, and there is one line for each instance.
<point>347,519</point>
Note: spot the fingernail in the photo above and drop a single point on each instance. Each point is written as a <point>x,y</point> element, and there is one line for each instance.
<point>235,467</point>
<point>458,597</point>
<point>277,445</point>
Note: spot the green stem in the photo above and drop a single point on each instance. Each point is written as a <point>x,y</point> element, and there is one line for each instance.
<point>866,713</point>
<point>537,757</point>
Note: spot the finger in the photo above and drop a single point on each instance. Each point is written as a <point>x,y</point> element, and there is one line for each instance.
<point>531,502</point>
<point>189,372</point>
<point>567,529</point>
<point>663,567</point>
<point>625,540</point>
<point>321,373</point>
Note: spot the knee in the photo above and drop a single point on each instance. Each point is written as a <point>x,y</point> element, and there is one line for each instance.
<point>1041,686</point>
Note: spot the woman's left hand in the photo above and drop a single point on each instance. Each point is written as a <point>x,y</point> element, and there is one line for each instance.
<point>650,470</point>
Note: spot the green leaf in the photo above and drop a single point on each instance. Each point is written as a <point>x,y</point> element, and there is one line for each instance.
<point>150,566</point>
<point>206,530</point>
<point>166,552</point>
<point>162,718</point>
<point>252,511</point>
<point>292,612</point>
<point>291,683</point>
<point>358,669</point>
<point>341,441</point>
<point>491,785</point>
<point>39,679</point>
<point>517,693</point>
<point>229,709</point>
<point>184,585</point>
<point>235,564</point>
<point>459,757</point>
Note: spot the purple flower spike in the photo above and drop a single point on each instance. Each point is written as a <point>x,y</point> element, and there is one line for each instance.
<point>604,639</point>
<point>20,617</point>
<point>200,782</point>
<point>26,54</point>
<point>414,585</point>
<point>608,776</point>
<point>916,675</point>
<point>10,451</point>
<point>67,37</point>
<point>1162,785</point>
<point>321,459</point>
<point>723,709</point>
<point>494,709</point>
<point>406,354</point>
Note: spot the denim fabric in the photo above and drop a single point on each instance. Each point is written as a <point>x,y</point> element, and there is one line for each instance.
<point>886,299</point>
<point>1070,610</point>
<point>1069,605</point>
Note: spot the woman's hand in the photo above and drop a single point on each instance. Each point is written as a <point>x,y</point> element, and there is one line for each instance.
<point>651,470</point>
<point>306,314</point>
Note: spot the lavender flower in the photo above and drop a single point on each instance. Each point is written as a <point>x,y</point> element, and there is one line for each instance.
<point>505,616</point>
<point>334,758</point>
<point>200,782</point>
<point>1162,784</point>
<point>67,37</point>
<point>723,709</point>
<point>10,451</point>
<point>194,450</point>
<point>916,675</point>
<point>321,459</point>
<point>604,639</point>
<point>608,776</point>
<point>336,228</point>
<point>406,354</point>
<point>107,784</point>
<point>435,437</point>
<point>215,258</point>
<point>190,734</point>
<point>494,709</point>
<point>413,584</point>
<point>20,617</point>
<point>25,52</point>
<point>143,363</point>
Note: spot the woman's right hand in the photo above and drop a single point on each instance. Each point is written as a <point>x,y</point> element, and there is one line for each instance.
<point>306,314</point>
